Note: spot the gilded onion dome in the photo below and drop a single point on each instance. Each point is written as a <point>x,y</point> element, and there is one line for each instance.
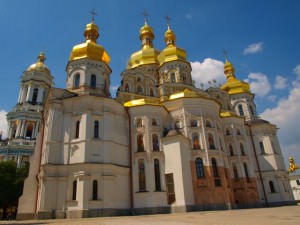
<point>233,85</point>
<point>148,54</point>
<point>171,52</point>
<point>39,65</point>
<point>90,49</point>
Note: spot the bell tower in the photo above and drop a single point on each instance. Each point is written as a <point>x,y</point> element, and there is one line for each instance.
<point>26,117</point>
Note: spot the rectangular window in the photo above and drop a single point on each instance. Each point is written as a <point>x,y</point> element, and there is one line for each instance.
<point>170,188</point>
<point>298,182</point>
<point>218,183</point>
<point>262,148</point>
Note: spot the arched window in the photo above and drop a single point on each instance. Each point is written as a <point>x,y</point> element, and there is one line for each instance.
<point>177,125</point>
<point>155,143</point>
<point>195,138</point>
<point>35,95</point>
<point>96,129</point>
<point>126,88</point>
<point>154,122</point>
<point>173,77</point>
<point>142,175</point>
<point>140,143</point>
<point>151,92</point>
<point>211,142</point>
<point>139,90</point>
<point>231,152</point>
<point>14,131</point>
<point>157,175</point>
<point>194,123</point>
<point>238,132</point>
<point>77,80</point>
<point>208,123</point>
<point>235,173</point>
<point>262,147</point>
<point>271,186</point>
<point>139,122</point>
<point>199,168</point>
<point>95,189</point>
<point>246,173</point>
<point>242,149</point>
<point>241,111</point>
<point>214,167</point>
<point>105,85</point>
<point>77,129</point>
<point>93,81</point>
<point>183,77</point>
<point>74,192</point>
<point>227,131</point>
<point>251,110</point>
<point>29,131</point>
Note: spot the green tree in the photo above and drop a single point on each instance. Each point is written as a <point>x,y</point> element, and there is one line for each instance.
<point>11,184</point>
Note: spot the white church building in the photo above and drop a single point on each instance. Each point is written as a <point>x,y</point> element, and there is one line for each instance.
<point>161,146</point>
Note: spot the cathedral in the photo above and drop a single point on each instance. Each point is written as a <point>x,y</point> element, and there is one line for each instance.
<point>162,145</point>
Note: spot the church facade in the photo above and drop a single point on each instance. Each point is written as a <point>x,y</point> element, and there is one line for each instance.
<point>161,146</point>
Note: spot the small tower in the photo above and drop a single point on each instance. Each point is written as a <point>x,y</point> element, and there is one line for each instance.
<point>88,71</point>
<point>242,99</point>
<point>25,119</point>
<point>174,70</point>
<point>140,79</point>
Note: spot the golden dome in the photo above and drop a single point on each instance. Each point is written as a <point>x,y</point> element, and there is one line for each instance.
<point>171,52</point>
<point>90,49</point>
<point>146,30</point>
<point>233,85</point>
<point>148,54</point>
<point>39,65</point>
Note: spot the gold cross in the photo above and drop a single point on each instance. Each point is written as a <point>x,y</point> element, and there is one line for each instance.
<point>145,15</point>
<point>167,19</point>
<point>93,13</point>
<point>226,54</point>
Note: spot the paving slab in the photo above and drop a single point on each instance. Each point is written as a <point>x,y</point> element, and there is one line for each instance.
<point>285,215</point>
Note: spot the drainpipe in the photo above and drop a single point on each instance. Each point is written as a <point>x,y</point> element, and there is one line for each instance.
<point>258,167</point>
<point>130,163</point>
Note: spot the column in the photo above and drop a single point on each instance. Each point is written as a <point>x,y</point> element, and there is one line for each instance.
<point>20,94</point>
<point>29,93</point>
<point>19,128</point>
<point>19,160</point>
<point>40,95</point>
<point>9,130</point>
<point>24,94</point>
<point>36,129</point>
<point>23,128</point>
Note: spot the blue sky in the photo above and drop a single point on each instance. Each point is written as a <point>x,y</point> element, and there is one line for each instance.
<point>261,38</point>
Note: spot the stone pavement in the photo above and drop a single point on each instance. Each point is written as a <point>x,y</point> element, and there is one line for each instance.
<point>286,215</point>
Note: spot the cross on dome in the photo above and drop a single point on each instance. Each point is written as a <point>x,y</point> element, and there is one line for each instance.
<point>168,20</point>
<point>145,14</point>
<point>93,13</point>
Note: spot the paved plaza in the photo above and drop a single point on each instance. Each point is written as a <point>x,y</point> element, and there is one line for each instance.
<point>286,215</point>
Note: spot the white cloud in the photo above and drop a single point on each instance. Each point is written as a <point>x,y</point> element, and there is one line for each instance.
<point>286,116</point>
<point>113,90</point>
<point>3,123</point>
<point>297,71</point>
<point>207,71</point>
<point>259,83</point>
<point>272,98</point>
<point>253,48</point>
<point>114,87</point>
<point>280,83</point>
<point>189,15</point>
